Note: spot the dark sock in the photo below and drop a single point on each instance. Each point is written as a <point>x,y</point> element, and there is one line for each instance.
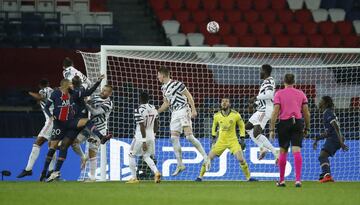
<point>92,128</point>
<point>325,164</point>
<point>62,157</point>
<point>49,157</point>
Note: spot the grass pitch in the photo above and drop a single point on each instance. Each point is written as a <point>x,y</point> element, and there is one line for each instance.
<point>182,193</point>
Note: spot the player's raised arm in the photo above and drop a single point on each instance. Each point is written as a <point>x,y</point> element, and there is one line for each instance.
<point>191,102</point>
<point>267,94</point>
<point>164,106</point>
<point>36,96</point>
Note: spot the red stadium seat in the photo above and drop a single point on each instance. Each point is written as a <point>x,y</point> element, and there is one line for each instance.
<point>182,16</point>
<point>212,39</point>
<point>192,5</point>
<point>241,28</point>
<point>225,28</point>
<point>227,4</point>
<point>175,4</point>
<point>355,102</point>
<point>251,16</point>
<point>268,16</point>
<point>327,27</point>
<point>200,16</point>
<point>293,28</point>
<point>278,4</point>
<point>244,5</point>
<point>233,16</point>
<point>247,41</point>
<point>189,27</point>
<point>310,28</point>
<point>210,4</point>
<point>299,41</point>
<point>282,41</point>
<point>344,27</point>
<point>351,41</point>
<point>276,28</point>
<point>158,4</point>
<point>164,15</point>
<point>230,40</point>
<point>202,28</point>
<point>264,40</point>
<point>316,40</point>
<point>258,28</point>
<point>216,15</point>
<point>303,16</point>
<point>333,41</point>
<point>261,5</point>
<point>285,16</point>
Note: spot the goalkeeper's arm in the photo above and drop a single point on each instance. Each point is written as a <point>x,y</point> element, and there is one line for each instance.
<point>214,130</point>
<point>240,123</point>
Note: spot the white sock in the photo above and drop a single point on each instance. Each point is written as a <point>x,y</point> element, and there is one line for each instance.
<point>151,164</point>
<point>33,157</point>
<point>257,142</point>
<point>132,166</point>
<point>77,149</point>
<point>52,163</point>
<point>197,145</point>
<point>93,164</point>
<point>177,149</point>
<point>266,143</point>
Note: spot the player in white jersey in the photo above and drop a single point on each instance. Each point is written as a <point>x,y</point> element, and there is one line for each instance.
<point>100,107</point>
<point>143,144</point>
<point>264,107</point>
<point>69,72</point>
<point>178,98</point>
<point>45,133</point>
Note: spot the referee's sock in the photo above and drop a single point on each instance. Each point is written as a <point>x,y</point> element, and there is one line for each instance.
<point>298,165</point>
<point>282,166</point>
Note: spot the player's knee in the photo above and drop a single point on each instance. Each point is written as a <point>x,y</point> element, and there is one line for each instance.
<point>257,130</point>
<point>190,137</point>
<point>249,126</point>
<point>174,136</point>
<point>40,141</point>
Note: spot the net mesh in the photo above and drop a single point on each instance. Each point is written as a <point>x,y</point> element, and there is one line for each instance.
<point>209,76</point>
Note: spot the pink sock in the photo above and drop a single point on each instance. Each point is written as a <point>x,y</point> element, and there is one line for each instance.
<point>282,165</point>
<point>298,165</point>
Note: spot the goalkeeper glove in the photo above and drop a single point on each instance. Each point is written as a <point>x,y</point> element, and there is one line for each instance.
<point>242,143</point>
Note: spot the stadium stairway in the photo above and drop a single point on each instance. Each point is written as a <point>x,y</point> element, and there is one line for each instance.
<point>136,23</point>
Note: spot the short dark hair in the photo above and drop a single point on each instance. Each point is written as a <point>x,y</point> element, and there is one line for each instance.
<point>289,79</point>
<point>163,70</point>
<point>328,101</point>
<point>144,97</point>
<point>44,83</point>
<point>67,62</point>
<point>76,81</point>
<point>267,68</point>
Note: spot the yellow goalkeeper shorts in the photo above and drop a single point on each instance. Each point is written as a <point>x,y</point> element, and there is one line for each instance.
<point>220,147</point>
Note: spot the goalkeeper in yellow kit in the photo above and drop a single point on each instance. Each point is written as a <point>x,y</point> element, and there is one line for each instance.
<point>224,129</point>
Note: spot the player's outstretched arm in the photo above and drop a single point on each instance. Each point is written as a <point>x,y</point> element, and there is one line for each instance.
<point>36,96</point>
<point>191,102</point>
<point>164,106</point>
<point>92,89</point>
<point>335,125</point>
<point>267,95</point>
<point>214,130</point>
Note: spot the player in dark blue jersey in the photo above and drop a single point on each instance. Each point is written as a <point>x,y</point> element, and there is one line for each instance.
<point>79,103</point>
<point>334,139</point>
<point>66,124</point>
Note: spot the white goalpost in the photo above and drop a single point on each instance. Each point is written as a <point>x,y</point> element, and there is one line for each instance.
<point>211,73</point>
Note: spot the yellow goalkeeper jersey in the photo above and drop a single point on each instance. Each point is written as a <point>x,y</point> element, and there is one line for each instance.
<point>225,126</point>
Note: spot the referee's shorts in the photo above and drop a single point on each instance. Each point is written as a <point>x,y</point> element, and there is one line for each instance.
<point>290,131</point>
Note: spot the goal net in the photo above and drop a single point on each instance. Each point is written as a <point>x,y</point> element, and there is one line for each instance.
<point>213,73</point>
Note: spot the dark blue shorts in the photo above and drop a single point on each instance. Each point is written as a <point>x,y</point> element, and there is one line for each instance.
<point>64,129</point>
<point>331,146</point>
